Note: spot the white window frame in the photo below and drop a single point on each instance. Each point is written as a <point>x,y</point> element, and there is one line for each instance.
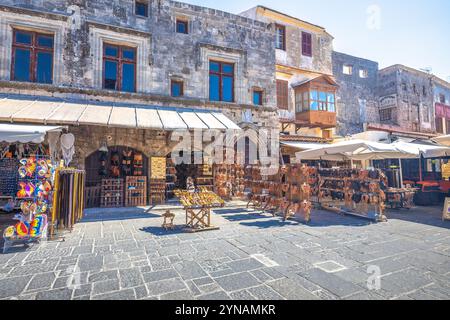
<point>347,69</point>
<point>363,73</point>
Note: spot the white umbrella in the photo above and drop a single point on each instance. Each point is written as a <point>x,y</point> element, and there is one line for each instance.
<point>352,150</point>
<point>414,150</point>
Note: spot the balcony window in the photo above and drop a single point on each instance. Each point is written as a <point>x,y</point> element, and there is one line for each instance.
<point>314,100</point>
<point>119,65</point>
<point>221,81</point>
<point>32,57</point>
<point>442,98</point>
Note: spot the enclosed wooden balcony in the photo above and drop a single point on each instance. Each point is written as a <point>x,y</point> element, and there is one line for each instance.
<point>315,102</point>
<point>321,119</point>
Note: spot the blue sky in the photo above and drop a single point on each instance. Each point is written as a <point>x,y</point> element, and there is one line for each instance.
<point>415,33</point>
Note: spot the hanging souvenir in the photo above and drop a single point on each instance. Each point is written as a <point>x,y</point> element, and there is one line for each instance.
<point>138,164</point>
<point>115,164</point>
<point>42,168</point>
<point>103,157</point>
<point>22,229</point>
<point>126,162</point>
<point>9,232</point>
<point>36,226</point>
<point>67,147</point>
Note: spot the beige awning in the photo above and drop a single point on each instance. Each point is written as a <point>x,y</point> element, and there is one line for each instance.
<point>42,110</point>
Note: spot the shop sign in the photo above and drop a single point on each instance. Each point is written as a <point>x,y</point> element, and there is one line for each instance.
<point>446,213</point>
<point>446,171</point>
<point>158,168</point>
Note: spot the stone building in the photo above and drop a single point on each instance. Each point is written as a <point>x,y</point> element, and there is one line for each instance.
<point>356,99</point>
<point>406,101</point>
<point>127,73</point>
<point>305,85</point>
<point>442,105</point>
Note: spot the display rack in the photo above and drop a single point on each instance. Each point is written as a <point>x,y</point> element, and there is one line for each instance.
<point>112,193</point>
<point>353,192</point>
<point>205,177</point>
<point>171,179</point>
<point>229,181</point>
<point>287,193</point>
<point>135,191</point>
<point>157,191</point>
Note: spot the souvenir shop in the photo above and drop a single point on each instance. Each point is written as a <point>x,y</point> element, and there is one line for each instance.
<point>38,186</point>
<point>119,176</point>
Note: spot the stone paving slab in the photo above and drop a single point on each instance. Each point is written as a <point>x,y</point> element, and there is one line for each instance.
<point>133,258</point>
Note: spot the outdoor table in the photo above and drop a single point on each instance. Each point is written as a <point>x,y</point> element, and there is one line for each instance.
<point>198,207</point>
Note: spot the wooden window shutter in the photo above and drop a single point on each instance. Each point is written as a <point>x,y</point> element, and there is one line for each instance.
<point>306,44</point>
<point>282,94</point>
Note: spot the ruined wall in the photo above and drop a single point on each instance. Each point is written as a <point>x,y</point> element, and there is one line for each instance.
<point>81,27</point>
<point>409,93</point>
<point>357,102</point>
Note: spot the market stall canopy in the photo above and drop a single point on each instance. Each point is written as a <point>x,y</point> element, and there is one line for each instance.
<point>42,110</point>
<point>352,150</point>
<point>25,133</point>
<point>414,150</point>
<point>444,140</point>
<point>303,145</point>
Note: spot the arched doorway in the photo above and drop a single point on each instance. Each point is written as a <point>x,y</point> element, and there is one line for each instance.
<point>117,163</point>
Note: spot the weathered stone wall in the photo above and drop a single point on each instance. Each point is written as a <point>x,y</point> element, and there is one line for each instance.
<point>322,44</point>
<point>357,102</point>
<point>81,26</point>
<point>90,138</point>
<point>409,93</point>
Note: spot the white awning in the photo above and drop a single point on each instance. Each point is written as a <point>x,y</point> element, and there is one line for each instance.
<point>303,145</point>
<point>42,110</point>
<point>25,133</point>
<point>353,149</point>
<point>426,150</point>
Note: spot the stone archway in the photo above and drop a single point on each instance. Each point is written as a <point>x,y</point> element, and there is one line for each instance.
<point>92,164</point>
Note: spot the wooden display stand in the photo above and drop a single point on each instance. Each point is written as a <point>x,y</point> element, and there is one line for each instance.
<point>112,193</point>
<point>198,209</point>
<point>341,198</point>
<point>157,192</point>
<point>229,181</point>
<point>287,193</point>
<point>136,191</point>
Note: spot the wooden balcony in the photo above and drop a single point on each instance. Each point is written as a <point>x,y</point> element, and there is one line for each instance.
<point>317,119</point>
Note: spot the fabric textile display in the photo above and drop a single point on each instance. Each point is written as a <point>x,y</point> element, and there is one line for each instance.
<point>68,200</point>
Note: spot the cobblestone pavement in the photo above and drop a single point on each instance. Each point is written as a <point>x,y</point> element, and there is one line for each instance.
<point>128,256</point>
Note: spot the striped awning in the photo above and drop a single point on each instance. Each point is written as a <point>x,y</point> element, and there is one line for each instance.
<point>42,110</point>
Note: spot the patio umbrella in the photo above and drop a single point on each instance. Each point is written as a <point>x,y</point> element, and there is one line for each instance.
<point>353,150</point>
<point>415,150</point>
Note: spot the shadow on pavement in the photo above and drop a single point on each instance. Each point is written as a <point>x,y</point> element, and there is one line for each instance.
<point>431,216</point>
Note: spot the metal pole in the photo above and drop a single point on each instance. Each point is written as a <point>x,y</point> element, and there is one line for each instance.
<point>420,168</point>
<point>401,172</point>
